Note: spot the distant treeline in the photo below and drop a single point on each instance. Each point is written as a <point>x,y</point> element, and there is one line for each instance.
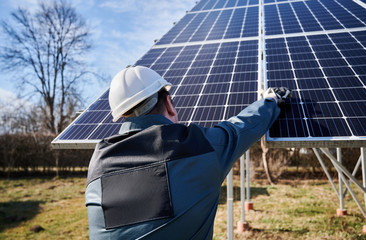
<point>31,154</point>
<point>22,154</point>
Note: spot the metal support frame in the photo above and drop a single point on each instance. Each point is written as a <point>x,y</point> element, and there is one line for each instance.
<point>343,173</point>
<point>341,200</point>
<point>363,160</point>
<point>325,170</point>
<point>230,225</point>
<point>242,188</point>
<point>336,162</point>
<point>244,170</point>
<point>354,173</point>
<point>247,156</point>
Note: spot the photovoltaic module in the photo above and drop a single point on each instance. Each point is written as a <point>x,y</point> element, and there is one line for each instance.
<point>223,53</point>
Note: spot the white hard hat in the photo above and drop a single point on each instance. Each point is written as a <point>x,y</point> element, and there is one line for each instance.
<point>133,85</point>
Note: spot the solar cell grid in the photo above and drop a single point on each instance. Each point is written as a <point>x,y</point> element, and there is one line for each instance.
<point>220,26</point>
<point>306,18</point>
<point>325,19</point>
<point>272,24</point>
<point>325,99</point>
<point>355,9</point>
<point>315,47</point>
<point>199,5</point>
<point>331,15</point>
<point>340,11</point>
<point>220,4</point>
<point>234,29</point>
<point>105,130</point>
<point>204,29</point>
<point>172,34</point>
<point>210,5</point>
<point>251,23</point>
<point>242,3</point>
<point>231,3</point>
<point>78,132</point>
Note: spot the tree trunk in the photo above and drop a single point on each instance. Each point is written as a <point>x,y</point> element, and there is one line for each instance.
<point>57,156</point>
<point>265,163</point>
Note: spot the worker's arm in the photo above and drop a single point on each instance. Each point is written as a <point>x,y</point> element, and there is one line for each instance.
<point>233,137</point>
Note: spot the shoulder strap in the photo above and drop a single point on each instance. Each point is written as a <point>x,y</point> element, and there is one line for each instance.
<point>157,143</point>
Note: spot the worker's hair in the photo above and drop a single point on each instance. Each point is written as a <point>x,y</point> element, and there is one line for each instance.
<point>160,105</point>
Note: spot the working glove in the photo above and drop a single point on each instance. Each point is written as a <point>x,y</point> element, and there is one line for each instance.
<point>279,94</point>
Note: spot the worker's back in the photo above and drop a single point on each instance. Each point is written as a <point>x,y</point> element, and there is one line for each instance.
<point>159,180</point>
<point>163,181</point>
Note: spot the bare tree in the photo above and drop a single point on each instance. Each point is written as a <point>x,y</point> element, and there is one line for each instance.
<point>47,47</point>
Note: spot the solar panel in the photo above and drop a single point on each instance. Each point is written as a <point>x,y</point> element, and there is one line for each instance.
<point>325,68</point>
<point>221,54</point>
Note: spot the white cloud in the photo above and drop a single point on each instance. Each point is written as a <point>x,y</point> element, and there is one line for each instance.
<point>30,5</point>
<point>156,6</point>
<point>8,100</point>
<point>25,3</point>
<point>120,6</point>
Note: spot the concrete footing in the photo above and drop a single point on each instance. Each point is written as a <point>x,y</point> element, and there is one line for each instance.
<point>341,212</point>
<point>242,226</point>
<point>248,206</point>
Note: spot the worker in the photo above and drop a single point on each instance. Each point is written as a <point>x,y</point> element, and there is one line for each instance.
<point>158,179</point>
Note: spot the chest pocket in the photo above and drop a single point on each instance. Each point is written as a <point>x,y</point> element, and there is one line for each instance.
<point>136,195</point>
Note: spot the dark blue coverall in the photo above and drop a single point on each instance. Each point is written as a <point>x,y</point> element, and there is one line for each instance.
<point>159,180</point>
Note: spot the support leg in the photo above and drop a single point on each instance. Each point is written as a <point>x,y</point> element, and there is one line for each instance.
<point>325,170</point>
<point>341,211</point>
<point>363,163</point>
<point>353,173</point>
<point>230,230</point>
<point>242,225</point>
<point>248,204</point>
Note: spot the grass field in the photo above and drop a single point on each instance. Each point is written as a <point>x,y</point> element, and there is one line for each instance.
<point>296,209</point>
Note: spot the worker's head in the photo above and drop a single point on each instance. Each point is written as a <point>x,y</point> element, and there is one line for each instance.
<point>137,91</point>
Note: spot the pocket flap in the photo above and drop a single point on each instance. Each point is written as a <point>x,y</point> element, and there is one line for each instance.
<point>134,196</point>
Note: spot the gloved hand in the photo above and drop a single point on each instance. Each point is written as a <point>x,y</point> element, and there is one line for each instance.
<point>279,94</point>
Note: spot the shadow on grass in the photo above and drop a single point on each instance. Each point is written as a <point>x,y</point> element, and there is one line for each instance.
<point>298,231</point>
<point>254,191</point>
<point>14,213</point>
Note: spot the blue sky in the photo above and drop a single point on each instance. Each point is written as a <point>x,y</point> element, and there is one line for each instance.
<point>122,30</point>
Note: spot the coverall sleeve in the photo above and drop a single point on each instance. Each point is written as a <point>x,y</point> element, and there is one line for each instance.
<point>231,138</point>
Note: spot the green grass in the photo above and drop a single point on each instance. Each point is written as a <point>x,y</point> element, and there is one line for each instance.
<point>55,204</point>
<point>297,210</point>
<point>289,210</point>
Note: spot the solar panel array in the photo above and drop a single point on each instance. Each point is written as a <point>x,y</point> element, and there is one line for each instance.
<point>221,54</point>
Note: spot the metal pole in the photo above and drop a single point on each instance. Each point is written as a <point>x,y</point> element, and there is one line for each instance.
<point>247,155</point>
<point>363,157</point>
<point>242,188</point>
<point>349,189</point>
<point>325,170</point>
<point>230,225</point>
<point>353,173</point>
<point>340,167</point>
<point>339,159</point>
